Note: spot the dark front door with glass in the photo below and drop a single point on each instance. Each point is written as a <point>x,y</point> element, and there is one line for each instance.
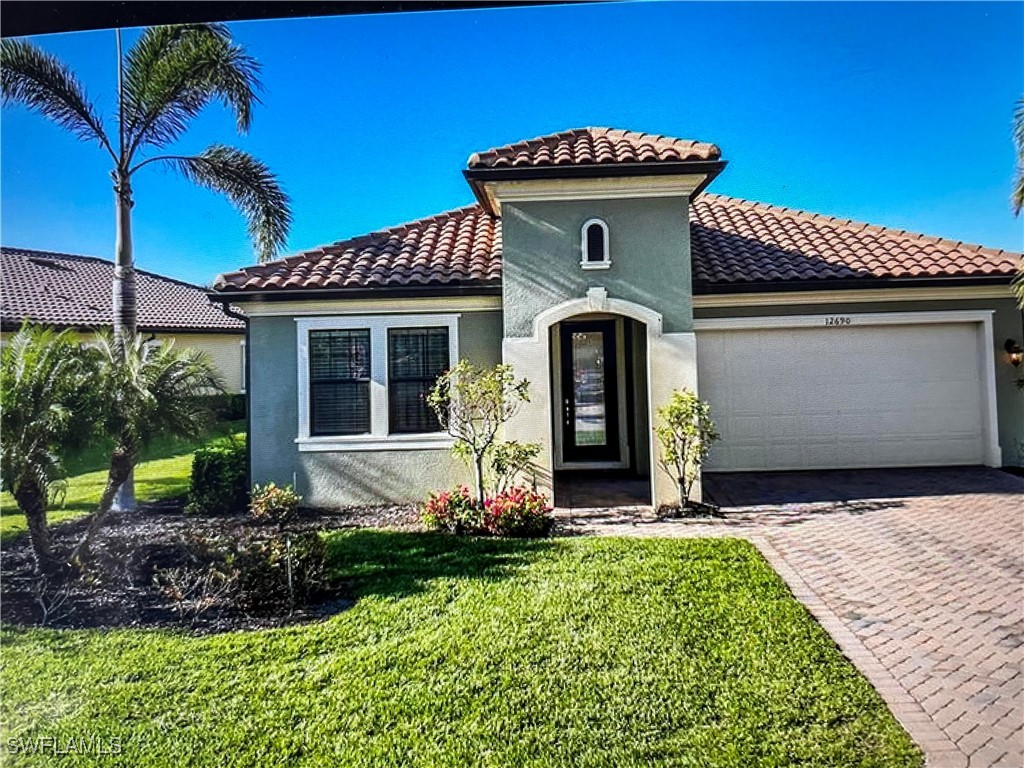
<point>590,410</point>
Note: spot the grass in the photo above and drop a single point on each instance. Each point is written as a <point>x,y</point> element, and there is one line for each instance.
<point>466,652</point>
<point>163,474</point>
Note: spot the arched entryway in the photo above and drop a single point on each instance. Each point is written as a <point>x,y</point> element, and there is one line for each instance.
<point>600,419</point>
<point>667,360</point>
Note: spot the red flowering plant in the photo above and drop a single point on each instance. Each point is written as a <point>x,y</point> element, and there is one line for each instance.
<point>517,512</point>
<point>456,511</point>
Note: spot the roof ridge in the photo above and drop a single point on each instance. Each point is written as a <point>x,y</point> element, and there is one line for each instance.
<point>857,225</point>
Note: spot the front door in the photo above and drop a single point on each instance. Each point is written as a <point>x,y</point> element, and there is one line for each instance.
<point>590,408</point>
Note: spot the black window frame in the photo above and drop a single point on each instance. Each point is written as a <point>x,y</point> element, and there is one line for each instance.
<point>364,381</point>
<point>426,379</point>
<point>602,244</point>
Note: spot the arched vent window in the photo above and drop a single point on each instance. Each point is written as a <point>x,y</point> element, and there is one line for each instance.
<point>594,237</point>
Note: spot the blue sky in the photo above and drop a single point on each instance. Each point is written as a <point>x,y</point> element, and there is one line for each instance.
<point>897,114</point>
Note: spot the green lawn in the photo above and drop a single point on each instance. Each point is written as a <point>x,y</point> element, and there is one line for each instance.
<point>460,652</point>
<point>163,474</point>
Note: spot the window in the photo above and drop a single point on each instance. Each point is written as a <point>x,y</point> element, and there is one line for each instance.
<point>363,381</point>
<point>416,357</point>
<point>594,237</point>
<point>339,382</point>
<point>243,380</point>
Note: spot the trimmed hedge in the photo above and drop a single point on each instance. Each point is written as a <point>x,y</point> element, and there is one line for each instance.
<point>219,479</point>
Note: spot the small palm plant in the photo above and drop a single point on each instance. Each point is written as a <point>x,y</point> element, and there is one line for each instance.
<point>149,391</point>
<point>170,75</point>
<point>50,408</point>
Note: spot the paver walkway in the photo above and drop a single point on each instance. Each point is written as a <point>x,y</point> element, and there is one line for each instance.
<point>917,574</point>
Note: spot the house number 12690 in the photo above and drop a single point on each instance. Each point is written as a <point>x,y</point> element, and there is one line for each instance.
<point>833,321</point>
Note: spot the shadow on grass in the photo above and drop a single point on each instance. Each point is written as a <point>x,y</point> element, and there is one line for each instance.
<point>398,564</point>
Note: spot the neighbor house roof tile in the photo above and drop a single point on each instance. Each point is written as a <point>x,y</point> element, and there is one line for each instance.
<point>71,291</point>
<point>594,146</point>
<point>734,242</point>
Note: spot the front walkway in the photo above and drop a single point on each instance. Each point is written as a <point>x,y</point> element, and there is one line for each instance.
<point>917,574</point>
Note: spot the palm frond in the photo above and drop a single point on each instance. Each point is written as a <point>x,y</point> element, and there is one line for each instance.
<point>172,73</point>
<point>251,188</point>
<point>154,390</point>
<point>44,84</point>
<point>49,405</point>
<point>1017,196</point>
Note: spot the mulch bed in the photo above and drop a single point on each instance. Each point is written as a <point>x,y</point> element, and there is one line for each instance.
<point>119,590</point>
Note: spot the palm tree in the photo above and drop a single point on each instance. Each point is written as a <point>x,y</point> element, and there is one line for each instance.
<point>149,391</point>
<point>50,408</point>
<point>167,78</point>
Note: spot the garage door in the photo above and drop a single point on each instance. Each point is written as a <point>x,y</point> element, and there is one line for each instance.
<point>844,397</point>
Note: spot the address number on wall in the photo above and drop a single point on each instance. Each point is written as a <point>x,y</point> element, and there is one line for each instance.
<point>838,320</point>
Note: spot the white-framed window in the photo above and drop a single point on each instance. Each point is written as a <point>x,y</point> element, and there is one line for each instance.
<point>594,245</point>
<point>363,380</point>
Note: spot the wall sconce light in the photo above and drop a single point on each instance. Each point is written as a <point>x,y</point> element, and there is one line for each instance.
<point>1015,352</point>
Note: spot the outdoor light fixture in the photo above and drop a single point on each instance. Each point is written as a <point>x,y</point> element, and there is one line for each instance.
<point>1015,352</point>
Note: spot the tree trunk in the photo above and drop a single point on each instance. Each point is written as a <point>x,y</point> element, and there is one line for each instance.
<point>478,471</point>
<point>125,304</point>
<point>121,462</point>
<point>32,501</point>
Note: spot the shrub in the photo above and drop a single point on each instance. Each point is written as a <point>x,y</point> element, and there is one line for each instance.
<point>281,571</point>
<point>274,503</point>
<point>519,512</point>
<point>219,479</point>
<point>224,406</point>
<point>456,511</point>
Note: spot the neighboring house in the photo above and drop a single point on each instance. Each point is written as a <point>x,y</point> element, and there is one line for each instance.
<point>596,265</point>
<point>66,291</point>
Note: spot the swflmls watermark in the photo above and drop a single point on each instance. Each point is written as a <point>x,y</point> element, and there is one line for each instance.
<point>64,745</point>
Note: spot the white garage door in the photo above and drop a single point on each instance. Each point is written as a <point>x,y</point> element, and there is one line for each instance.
<point>844,397</point>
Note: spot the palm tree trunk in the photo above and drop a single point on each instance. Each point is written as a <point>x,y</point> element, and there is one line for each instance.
<point>125,306</point>
<point>32,501</point>
<point>121,463</point>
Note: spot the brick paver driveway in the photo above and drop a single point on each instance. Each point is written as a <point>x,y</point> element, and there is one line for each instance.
<point>924,567</point>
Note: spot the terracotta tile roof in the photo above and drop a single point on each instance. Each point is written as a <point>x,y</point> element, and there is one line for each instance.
<point>70,291</point>
<point>592,146</point>
<point>460,247</point>
<point>734,242</point>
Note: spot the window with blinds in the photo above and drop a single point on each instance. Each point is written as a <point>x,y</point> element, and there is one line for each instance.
<point>416,357</point>
<point>339,382</point>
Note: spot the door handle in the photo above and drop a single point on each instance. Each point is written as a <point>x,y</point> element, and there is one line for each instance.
<point>568,417</point>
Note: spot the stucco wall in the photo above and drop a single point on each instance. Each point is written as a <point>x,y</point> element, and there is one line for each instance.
<point>334,478</point>
<point>224,349</point>
<point>649,245</point>
<point>1006,324</point>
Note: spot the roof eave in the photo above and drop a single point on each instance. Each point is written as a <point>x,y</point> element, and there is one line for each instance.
<point>704,288</point>
<point>477,177</point>
<point>381,292</point>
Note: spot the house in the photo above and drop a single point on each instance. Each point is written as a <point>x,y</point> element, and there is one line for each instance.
<point>66,291</point>
<point>596,264</point>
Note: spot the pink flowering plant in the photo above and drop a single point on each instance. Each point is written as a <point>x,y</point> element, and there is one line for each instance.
<point>519,512</point>
<point>455,511</point>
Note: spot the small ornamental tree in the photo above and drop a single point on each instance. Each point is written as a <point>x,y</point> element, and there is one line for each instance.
<point>472,403</point>
<point>686,434</point>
